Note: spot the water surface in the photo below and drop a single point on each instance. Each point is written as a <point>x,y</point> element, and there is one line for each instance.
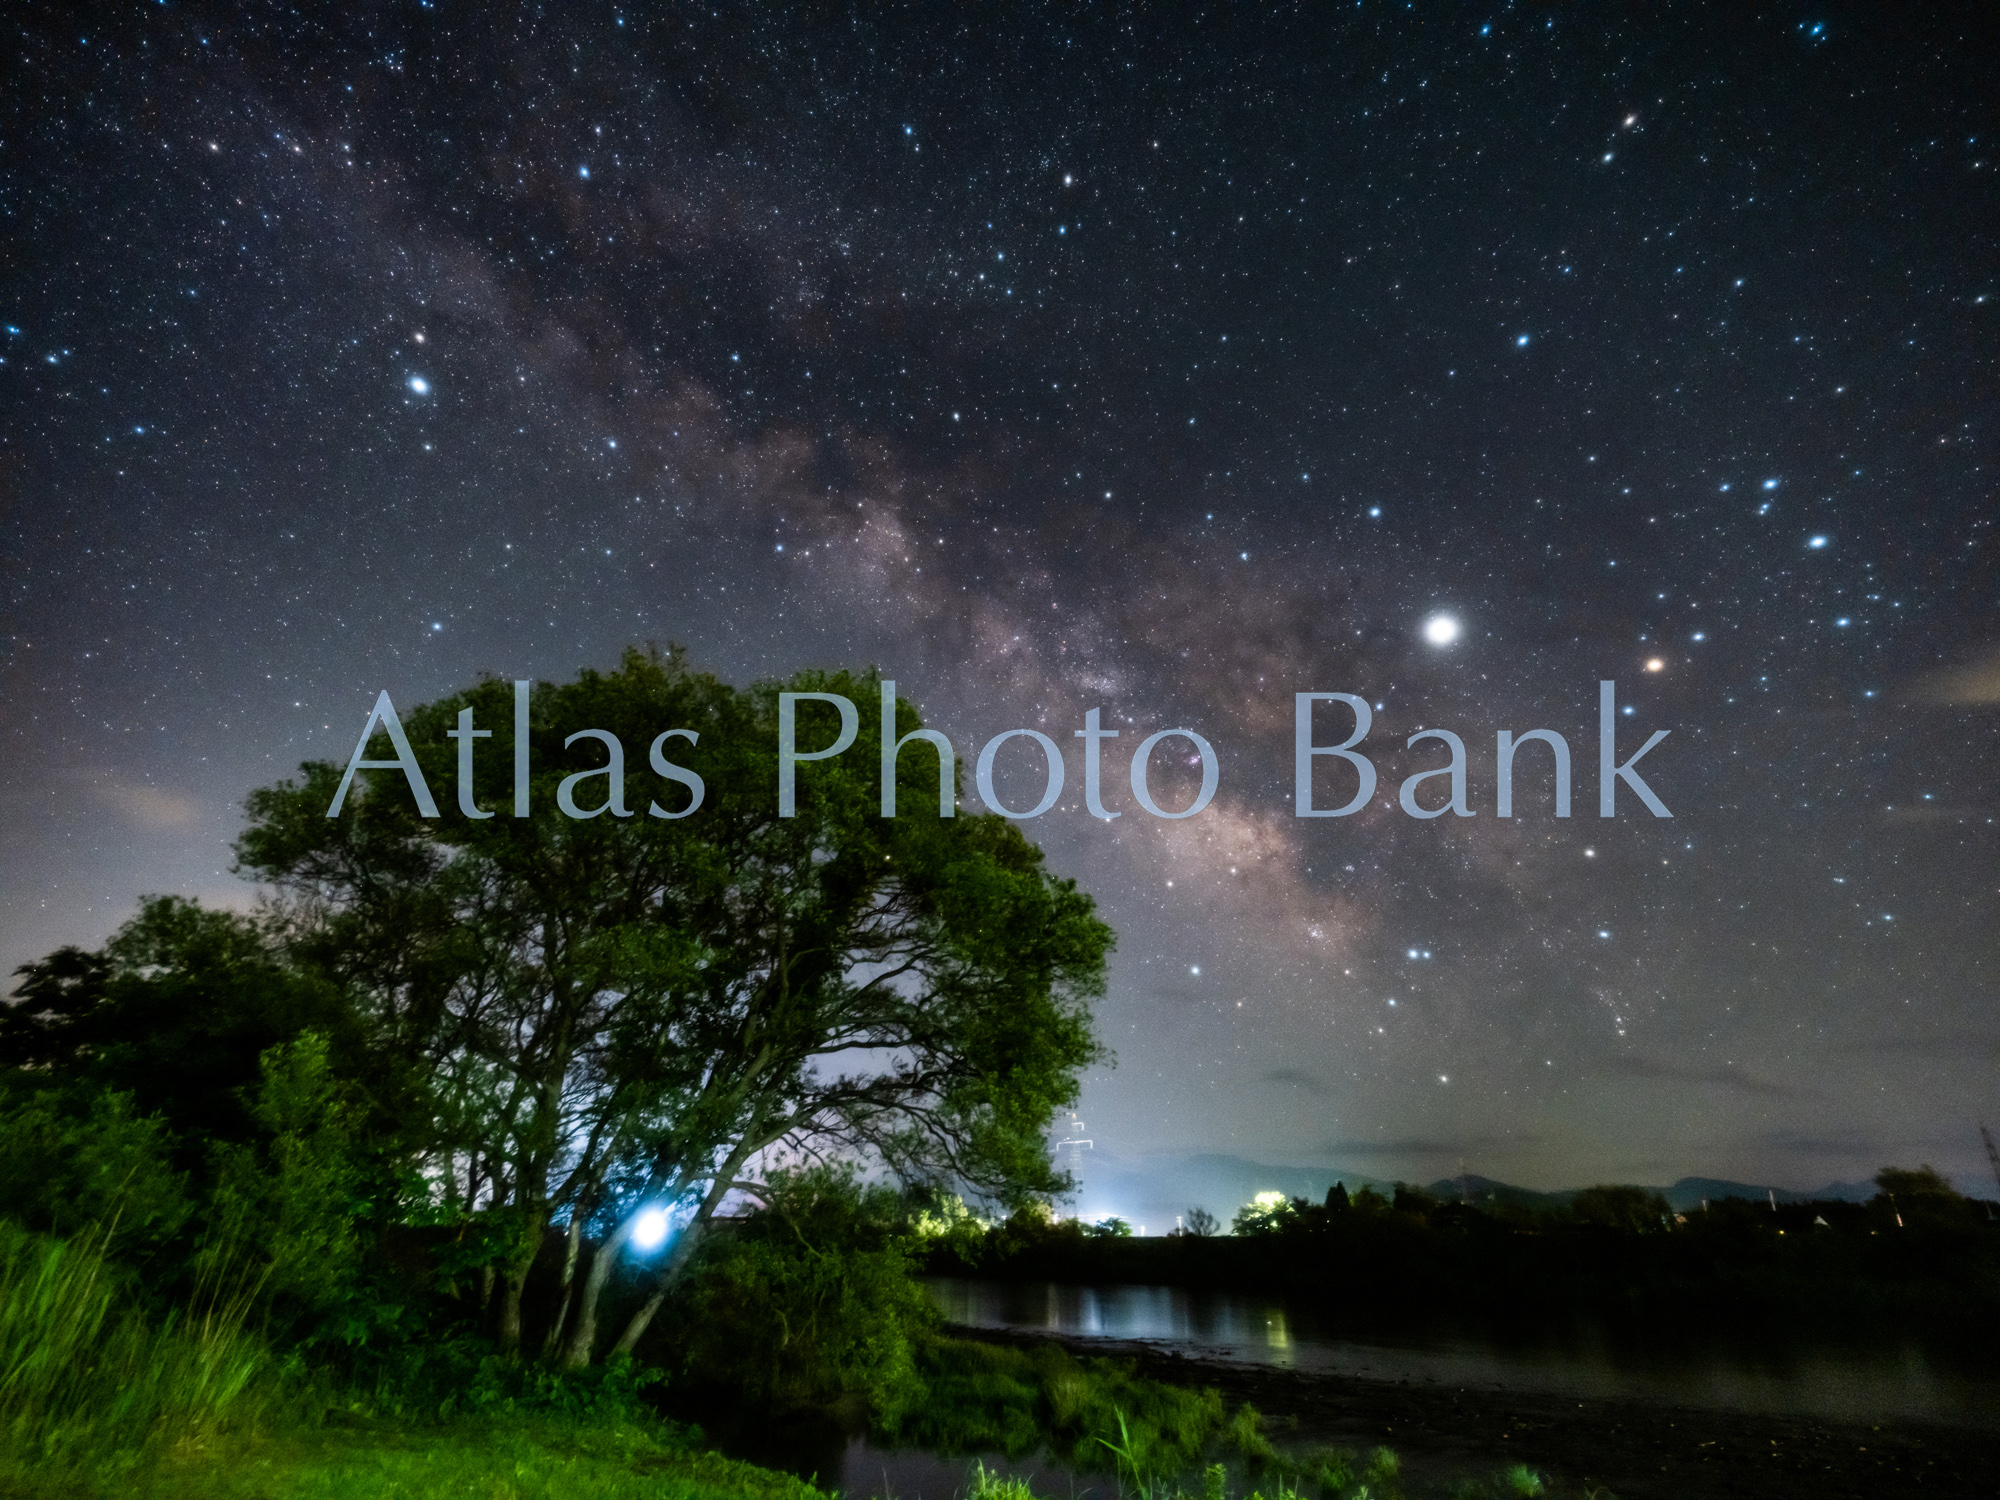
<point>1789,1380</point>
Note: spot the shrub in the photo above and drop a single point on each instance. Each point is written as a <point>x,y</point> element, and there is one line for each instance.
<point>810,1300</point>
<point>985,1397</point>
<point>73,1158</point>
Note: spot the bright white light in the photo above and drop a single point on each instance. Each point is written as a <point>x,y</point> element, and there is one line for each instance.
<point>1816,542</point>
<point>1441,630</point>
<point>420,385</point>
<point>651,1230</point>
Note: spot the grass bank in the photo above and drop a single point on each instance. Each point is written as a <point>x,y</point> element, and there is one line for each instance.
<point>92,1391</point>
<point>97,1401</point>
<point>516,1457</point>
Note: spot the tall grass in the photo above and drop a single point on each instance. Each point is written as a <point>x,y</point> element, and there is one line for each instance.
<point>91,1388</point>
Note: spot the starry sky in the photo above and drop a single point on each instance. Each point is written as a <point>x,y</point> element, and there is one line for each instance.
<point>1455,357</point>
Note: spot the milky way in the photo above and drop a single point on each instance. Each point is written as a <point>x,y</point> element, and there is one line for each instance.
<point>1166,370</point>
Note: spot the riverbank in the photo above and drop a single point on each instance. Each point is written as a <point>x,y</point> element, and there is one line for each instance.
<point>1637,1451</point>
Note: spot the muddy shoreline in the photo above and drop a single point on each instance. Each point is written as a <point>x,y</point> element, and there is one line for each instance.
<point>1635,1450</point>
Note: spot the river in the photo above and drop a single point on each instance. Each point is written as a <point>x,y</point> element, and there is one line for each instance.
<point>1747,1381</point>
<point>1792,1380</point>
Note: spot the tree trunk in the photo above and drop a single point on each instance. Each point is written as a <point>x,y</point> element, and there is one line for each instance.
<point>583,1335</point>
<point>663,1283</point>
<point>513,1280</point>
<point>684,1247</point>
<point>573,1243</point>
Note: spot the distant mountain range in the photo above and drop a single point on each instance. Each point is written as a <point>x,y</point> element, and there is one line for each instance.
<point>1157,1193</point>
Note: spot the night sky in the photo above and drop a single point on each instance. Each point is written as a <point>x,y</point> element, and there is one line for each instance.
<point>1166,366</point>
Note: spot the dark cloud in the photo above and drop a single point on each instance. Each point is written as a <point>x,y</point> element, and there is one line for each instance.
<point>1420,1146</point>
<point>1725,1077</point>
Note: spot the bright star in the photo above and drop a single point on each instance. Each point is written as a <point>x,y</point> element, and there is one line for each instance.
<point>1441,630</point>
<point>420,385</point>
<point>1816,542</point>
<point>1521,341</point>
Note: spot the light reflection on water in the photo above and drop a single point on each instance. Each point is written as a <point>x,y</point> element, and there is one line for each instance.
<point>1232,1326</point>
<point>1171,1314</point>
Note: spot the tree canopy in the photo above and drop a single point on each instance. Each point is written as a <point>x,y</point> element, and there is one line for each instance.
<point>617,1001</point>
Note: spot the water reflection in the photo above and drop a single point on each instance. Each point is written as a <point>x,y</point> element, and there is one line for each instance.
<point>1211,1320</point>
<point>1898,1384</point>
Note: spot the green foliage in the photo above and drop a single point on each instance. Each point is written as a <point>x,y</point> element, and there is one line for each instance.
<point>89,1388</point>
<point>1516,1482</point>
<point>809,1300</point>
<point>1246,1436</point>
<point>72,1158</point>
<point>175,1011</point>
<point>1113,1228</point>
<point>135,1103</point>
<point>1384,1469</point>
<point>580,994</point>
<point>986,1398</point>
<point>287,1209</point>
<point>513,1456</point>
<point>940,1222</point>
<point>985,1485</point>
<point>1332,1469</point>
<point>1266,1213</point>
<point>442,1381</point>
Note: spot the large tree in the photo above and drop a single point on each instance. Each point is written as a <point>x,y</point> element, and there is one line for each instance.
<point>624,1003</point>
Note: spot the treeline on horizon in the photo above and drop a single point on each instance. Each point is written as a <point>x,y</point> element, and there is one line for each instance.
<point>1919,1263</point>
